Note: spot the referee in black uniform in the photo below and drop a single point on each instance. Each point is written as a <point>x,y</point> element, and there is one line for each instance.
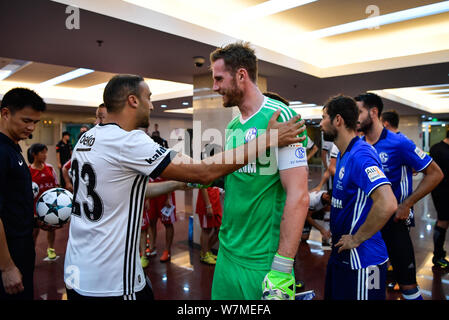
<point>440,153</point>
<point>20,109</point>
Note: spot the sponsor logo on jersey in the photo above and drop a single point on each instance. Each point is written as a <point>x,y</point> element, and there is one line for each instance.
<point>337,203</point>
<point>249,168</point>
<point>87,140</point>
<point>374,173</point>
<point>159,152</point>
<point>341,174</point>
<point>383,157</point>
<point>251,134</point>
<point>300,153</point>
<point>420,153</point>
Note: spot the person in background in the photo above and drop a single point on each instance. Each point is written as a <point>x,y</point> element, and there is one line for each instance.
<point>44,175</point>
<point>390,120</point>
<point>440,154</point>
<point>210,212</point>
<point>63,153</point>
<point>162,208</point>
<point>319,201</point>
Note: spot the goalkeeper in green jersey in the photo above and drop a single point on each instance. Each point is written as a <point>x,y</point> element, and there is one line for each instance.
<point>266,201</point>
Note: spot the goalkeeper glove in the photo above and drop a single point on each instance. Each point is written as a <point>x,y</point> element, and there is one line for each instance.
<point>279,283</point>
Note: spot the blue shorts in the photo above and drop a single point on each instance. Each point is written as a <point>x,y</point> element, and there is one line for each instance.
<point>343,283</point>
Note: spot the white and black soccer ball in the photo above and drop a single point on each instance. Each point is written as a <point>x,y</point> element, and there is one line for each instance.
<point>35,189</point>
<point>54,207</point>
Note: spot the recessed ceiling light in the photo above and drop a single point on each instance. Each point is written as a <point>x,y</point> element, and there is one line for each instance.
<point>268,8</point>
<point>66,77</point>
<point>4,74</point>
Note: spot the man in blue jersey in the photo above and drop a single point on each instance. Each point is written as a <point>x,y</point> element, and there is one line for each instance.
<point>399,156</point>
<point>362,202</point>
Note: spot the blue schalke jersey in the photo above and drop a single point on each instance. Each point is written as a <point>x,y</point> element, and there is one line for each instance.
<point>357,175</point>
<point>399,155</point>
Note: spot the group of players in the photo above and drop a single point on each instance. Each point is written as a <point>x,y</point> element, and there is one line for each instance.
<point>264,211</point>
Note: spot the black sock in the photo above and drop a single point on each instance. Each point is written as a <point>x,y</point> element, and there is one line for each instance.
<point>439,235</point>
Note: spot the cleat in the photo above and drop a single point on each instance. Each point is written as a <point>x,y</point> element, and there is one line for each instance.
<point>212,255</point>
<point>144,261</point>
<point>51,254</point>
<point>165,256</point>
<point>208,259</point>
<point>299,284</point>
<point>441,263</point>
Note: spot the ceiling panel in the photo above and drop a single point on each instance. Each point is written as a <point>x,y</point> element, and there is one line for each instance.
<point>38,72</point>
<point>328,13</point>
<point>88,80</point>
<point>392,29</point>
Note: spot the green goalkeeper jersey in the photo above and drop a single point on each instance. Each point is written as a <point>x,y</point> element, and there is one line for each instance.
<point>255,198</point>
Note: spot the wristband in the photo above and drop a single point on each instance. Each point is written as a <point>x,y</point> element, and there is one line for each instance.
<point>282,264</point>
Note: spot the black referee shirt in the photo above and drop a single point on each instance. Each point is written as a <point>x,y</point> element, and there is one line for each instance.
<point>440,154</point>
<point>65,150</point>
<point>16,195</point>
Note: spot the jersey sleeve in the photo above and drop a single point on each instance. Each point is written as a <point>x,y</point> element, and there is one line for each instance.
<point>58,147</point>
<point>140,153</point>
<point>310,144</point>
<point>334,151</point>
<point>368,174</point>
<point>327,145</point>
<point>293,155</point>
<point>413,156</point>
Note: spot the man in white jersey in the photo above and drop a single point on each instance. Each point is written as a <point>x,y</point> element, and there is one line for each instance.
<point>111,165</point>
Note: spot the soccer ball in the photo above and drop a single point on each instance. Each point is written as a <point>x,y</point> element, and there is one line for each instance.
<point>54,207</point>
<point>35,189</point>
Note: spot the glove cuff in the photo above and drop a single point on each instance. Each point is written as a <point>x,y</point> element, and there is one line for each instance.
<point>282,264</point>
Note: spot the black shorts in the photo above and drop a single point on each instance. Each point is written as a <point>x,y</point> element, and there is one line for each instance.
<point>146,294</point>
<point>400,251</point>
<point>441,203</point>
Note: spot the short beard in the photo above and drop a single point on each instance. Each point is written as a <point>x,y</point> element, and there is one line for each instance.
<point>143,123</point>
<point>366,126</point>
<point>234,96</point>
<point>330,136</point>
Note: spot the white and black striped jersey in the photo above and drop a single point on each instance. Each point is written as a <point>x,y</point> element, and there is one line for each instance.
<point>110,172</point>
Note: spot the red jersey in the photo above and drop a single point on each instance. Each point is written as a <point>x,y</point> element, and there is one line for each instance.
<point>45,178</point>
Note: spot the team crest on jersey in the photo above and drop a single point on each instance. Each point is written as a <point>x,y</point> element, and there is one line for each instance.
<point>383,157</point>
<point>341,174</point>
<point>374,173</point>
<point>251,134</point>
<point>300,153</point>
<point>420,153</point>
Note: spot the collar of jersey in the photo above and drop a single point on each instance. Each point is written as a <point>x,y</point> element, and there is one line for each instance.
<point>110,123</point>
<point>383,135</point>
<point>350,145</point>
<point>7,140</point>
<point>260,108</point>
